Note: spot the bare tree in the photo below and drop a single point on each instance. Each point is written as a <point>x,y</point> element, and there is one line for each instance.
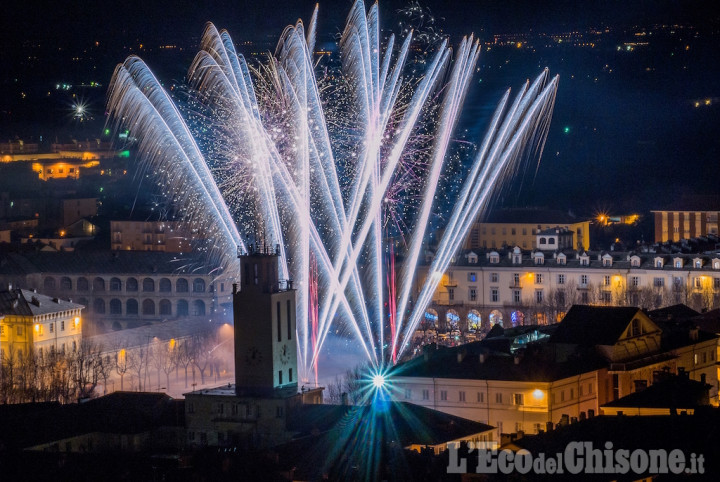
<point>121,363</point>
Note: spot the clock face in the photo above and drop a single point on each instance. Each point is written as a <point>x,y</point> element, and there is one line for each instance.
<point>284,355</point>
<point>253,356</point>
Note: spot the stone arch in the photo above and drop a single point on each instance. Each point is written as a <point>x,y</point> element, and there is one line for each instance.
<point>495,317</point>
<point>131,284</point>
<point>115,307</point>
<point>98,284</point>
<point>115,284</point>
<point>148,285</point>
<point>49,283</point>
<point>165,307</point>
<point>199,285</point>
<point>474,320</point>
<point>517,318</point>
<point>99,306</point>
<point>198,308</point>
<point>182,308</point>
<point>429,319</point>
<point>131,307</point>
<point>452,318</point>
<point>82,284</point>
<point>165,285</point>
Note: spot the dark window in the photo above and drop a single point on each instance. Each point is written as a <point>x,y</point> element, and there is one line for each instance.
<point>165,307</point>
<point>165,285</point>
<point>199,308</point>
<point>49,283</point>
<point>289,321</point>
<point>181,285</point>
<point>148,307</point>
<point>279,322</point>
<point>115,307</point>
<point>99,306</point>
<point>131,307</point>
<point>131,284</point>
<point>115,284</point>
<point>82,284</point>
<point>280,377</point>
<point>199,285</point>
<point>149,285</point>
<point>98,284</point>
<point>65,283</point>
<point>182,308</point>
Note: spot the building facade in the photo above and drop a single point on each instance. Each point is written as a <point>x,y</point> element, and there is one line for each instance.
<point>677,225</point>
<point>31,321</point>
<point>124,289</point>
<point>520,227</point>
<point>516,287</point>
<point>600,355</point>
<point>166,236</point>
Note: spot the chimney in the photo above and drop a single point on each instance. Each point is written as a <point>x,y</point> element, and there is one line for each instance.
<point>582,416</point>
<point>548,426</point>
<point>564,420</point>
<point>481,358</point>
<point>591,413</point>
<point>345,399</point>
<point>517,359</point>
<point>461,355</point>
<point>694,333</point>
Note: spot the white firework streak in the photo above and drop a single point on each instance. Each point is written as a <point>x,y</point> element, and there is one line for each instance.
<point>281,146</point>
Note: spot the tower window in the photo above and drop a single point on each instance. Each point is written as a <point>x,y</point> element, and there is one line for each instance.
<point>289,323</point>
<point>280,377</point>
<point>289,374</point>
<point>279,321</point>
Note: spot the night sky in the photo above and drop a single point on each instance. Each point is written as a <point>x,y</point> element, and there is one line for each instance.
<point>626,134</point>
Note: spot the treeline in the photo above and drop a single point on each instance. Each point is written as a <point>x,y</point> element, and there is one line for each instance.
<point>87,371</point>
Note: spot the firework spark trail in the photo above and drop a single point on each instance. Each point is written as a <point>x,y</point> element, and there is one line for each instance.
<point>525,123</point>
<point>137,99</point>
<point>276,151</point>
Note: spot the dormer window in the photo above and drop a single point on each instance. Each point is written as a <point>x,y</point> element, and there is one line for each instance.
<point>607,260</point>
<point>697,263</point>
<point>472,258</point>
<point>584,260</point>
<point>678,262</point>
<point>539,258</point>
<point>635,261</point>
<point>561,259</point>
<point>658,262</point>
<point>543,241</point>
<point>716,264</point>
<point>494,257</point>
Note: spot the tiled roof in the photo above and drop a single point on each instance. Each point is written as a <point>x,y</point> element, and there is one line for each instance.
<point>29,303</point>
<point>596,325</point>
<point>531,367</point>
<point>103,262</point>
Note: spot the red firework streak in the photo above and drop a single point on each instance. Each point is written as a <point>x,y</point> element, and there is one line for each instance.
<point>391,300</point>
<point>313,306</point>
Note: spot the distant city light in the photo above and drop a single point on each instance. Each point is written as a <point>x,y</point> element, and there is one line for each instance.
<point>566,129</point>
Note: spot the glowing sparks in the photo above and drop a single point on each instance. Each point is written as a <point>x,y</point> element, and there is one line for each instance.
<point>327,166</point>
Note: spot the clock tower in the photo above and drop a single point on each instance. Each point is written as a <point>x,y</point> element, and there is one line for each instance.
<point>264,315</point>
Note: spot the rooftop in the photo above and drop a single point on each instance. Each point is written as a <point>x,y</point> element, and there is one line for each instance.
<point>103,262</point>
<point>29,303</point>
<point>593,325</point>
